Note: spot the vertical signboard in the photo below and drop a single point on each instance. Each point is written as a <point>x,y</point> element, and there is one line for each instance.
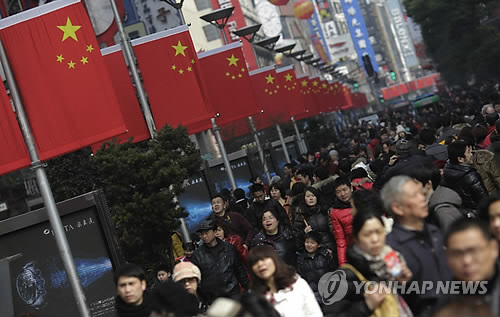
<point>359,34</point>
<point>401,33</point>
<point>241,172</point>
<point>196,200</point>
<point>318,36</point>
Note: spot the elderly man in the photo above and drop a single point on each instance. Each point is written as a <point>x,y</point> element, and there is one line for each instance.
<point>421,244</point>
<point>473,257</point>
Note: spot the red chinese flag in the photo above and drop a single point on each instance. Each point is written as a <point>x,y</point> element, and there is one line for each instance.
<point>125,92</point>
<point>292,97</point>
<point>348,98</point>
<point>317,93</point>
<point>269,94</point>
<point>306,89</point>
<point>14,154</point>
<point>69,99</point>
<point>227,83</point>
<point>171,74</point>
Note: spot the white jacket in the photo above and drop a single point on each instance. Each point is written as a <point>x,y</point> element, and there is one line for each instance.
<point>297,300</point>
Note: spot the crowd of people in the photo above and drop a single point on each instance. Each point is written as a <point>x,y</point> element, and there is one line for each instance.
<point>412,199</point>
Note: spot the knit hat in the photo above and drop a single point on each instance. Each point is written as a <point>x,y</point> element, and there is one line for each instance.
<point>402,147</point>
<point>186,270</point>
<point>400,128</point>
<point>275,179</point>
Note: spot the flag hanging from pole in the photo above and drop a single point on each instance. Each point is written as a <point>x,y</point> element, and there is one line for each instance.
<point>14,154</point>
<point>227,84</point>
<point>269,94</point>
<point>171,73</point>
<point>126,94</point>
<point>66,92</point>
<point>308,89</point>
<point>292,97</point>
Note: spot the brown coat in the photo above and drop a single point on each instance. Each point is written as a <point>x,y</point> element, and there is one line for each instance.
<point>486,166</point>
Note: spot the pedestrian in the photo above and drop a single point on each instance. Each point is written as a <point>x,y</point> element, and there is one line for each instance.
<point>189,276</point>
<point>289,294</point>
<point>131,286</point>
<point>371,259</point>
<point>490,213</point>
<point>341,216</point>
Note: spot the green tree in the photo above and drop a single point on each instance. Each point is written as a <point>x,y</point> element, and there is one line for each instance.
<point>459,38</point>
<point>140,182</point>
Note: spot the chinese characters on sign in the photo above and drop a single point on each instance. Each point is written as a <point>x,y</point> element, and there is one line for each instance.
<point>358,31</point>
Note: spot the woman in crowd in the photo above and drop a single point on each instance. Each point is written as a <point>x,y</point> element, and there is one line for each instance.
<point>289,294</point>
<point>490,213</point>
<point>222,233</point>
<point>370,259</point>
<point>278,194</point>
<point>313,215</point>
<point>280,238</point>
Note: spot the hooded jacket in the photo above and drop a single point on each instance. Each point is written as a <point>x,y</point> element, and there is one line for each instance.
<point>466,181</point>
<point>444,207</point>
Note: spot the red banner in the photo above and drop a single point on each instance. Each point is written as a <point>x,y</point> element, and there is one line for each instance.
<point>69,100</point>
<point>171,73</point>
<point>292,97</point>
<point>125,92</point>
<point>307,91</point>
<point>227,83</point>
<point>236,21</point>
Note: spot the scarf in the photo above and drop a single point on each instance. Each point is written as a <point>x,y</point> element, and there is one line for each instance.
<point>125,310</point>
<point>376,263</point>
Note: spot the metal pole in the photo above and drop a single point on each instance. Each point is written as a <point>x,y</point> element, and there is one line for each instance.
<point>229,171</point>
<point>261,151</point>
<point>183,21</point>
<point>283,145</point>
<point>224,36</point>
<point>48,198</point>
<point>300,141</point>
<point>130,59</point>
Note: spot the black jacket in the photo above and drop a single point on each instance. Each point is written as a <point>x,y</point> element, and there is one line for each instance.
<point>318,218</point>
<point>256,210</point>
<point>403,166</point>
<point>125,310</point>
<point>352,304</point>
<point>466,181</point>
<point>221,270</point>
<point>312,268</point>
<point>283,242</point>
<point>425,256</point>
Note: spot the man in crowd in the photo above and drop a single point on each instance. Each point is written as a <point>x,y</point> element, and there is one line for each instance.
<point>473,257</point>
<point>420,244</point>
<point>220,266</point>
<point>260,204</point>
<point>234,220</point>
<point>463,178</point>
<point>304,176</point>
<point>131,285</point>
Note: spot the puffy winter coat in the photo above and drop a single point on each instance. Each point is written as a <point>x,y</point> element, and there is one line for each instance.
<point>486,166</point>
<point>341,218</point>
<point>467,182</point>
<point>221,269</point>
<point>256,210</point>
<point>283,242</point>
<point>312,268</point>
<point>444,207</point>
<point>319,220</point>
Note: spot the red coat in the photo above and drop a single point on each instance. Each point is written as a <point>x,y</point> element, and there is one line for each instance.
<point>235,240</point>
<point>342,228</point>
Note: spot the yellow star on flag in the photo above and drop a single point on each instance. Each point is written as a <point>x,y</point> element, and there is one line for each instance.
<point>181,71</point>
<point>71,64</point>
<point>324,85</point>
<point>304,83</point>
<point>269,79</point>
<point>233,77</point>
<point>239,76</point>
<point>84,60</point>
<point>174,67</point>
<point>90,48</point>
<point>233,60</point>
<point>315,83</point>
<point>69,30</point>
<point>179,49</point>
<point>288,77</point>
<point>189,69</point>
<point>228,74</point>
<point>192,61</point>
<point>60,58</point>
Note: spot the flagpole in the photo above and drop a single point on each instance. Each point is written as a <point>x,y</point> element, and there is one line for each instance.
<point>283,145</point>
<point>300,141</point>
<point>47,196</point>
<point>259,148</point>
<point>227,165</point>
<point>128,54</point>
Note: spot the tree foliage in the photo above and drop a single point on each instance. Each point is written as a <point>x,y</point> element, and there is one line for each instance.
<point>140,182</point>
<point>459,38</point>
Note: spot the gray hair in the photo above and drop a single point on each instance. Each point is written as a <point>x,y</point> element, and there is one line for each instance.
<point>393,191</point>
<point>484,108</point>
